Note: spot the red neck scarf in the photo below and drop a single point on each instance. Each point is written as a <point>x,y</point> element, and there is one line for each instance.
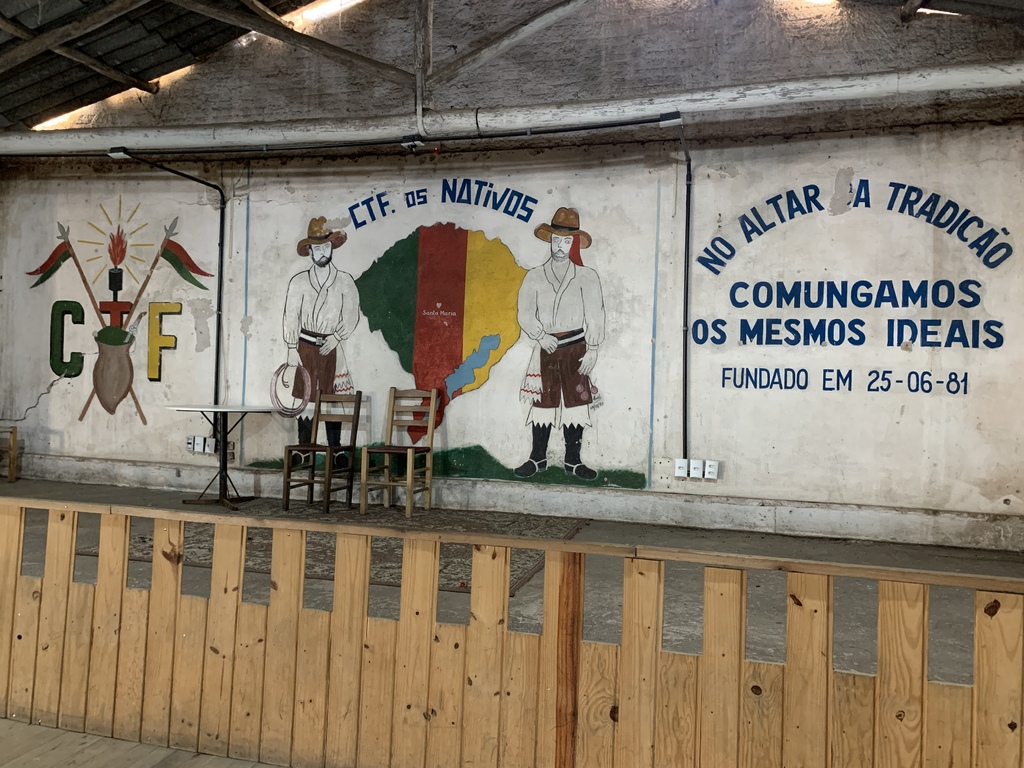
<point>574,251</point>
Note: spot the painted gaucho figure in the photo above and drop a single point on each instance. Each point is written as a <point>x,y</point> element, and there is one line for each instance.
<point>561,307</point>
<point>321,310</point>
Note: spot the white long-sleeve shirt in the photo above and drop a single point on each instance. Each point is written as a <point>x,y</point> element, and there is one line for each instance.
<point>550,305</point>
<point>330,307</point>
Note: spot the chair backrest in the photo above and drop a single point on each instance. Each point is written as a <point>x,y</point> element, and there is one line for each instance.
<point>411,413</point>
<point>337,409</point>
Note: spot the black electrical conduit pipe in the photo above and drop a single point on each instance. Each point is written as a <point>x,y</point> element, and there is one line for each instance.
<point>686,295</point>
<point>121,152</point>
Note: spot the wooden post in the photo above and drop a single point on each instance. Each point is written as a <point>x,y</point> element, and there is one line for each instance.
<point>219,648</point>
<point>287,571</point>
<point>485,648</point>
<point>348,629</point>
<point>106,623</point>
<point>902,674</point>
<point>568,638</point>
<point>998,676</point>
<point>53,613</point>
<point>808,666</point>
<point>12,531</point>
<point>416,624</point>
<point>721,667</point>
<point>168,554</point>
<point>639,657</point>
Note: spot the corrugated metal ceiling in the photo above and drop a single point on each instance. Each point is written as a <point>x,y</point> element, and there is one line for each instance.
<point>141,41</point>
<point>60,55</point>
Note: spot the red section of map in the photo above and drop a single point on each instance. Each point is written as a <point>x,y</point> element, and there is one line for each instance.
<point>440,306</point>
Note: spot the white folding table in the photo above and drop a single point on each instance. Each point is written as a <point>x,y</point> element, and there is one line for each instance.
<point>217,415</point>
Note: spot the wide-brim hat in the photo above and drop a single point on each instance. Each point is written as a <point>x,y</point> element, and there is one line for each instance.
<point>319,232</point>
<point>566,221</point>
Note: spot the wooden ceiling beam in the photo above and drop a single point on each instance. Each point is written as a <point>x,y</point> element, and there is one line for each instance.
<point>83,26</point>
<point>425,36</point>
<point>910,8</point>
<point>12,27</point>
<point>261,10</point>
<point>505,40</point>
<point>1003,10</point>
<point>314,45</point>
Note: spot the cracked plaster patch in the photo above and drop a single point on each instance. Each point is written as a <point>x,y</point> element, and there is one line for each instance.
<point>842,193</point>
<point>202,310</point>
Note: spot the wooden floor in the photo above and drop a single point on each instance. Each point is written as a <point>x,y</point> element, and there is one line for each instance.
<point>23,745</point>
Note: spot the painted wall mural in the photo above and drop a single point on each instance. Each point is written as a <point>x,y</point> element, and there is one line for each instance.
<point>561,308</point>
<point>124,236</point>
<point>450,302</point>
<point>853,336</point>
<point>862,321</point>
<point>851,310</point>
<point>444,300</point>
<point>321,310</point>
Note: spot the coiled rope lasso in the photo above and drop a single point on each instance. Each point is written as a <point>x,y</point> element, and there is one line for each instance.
<point>276,380</point>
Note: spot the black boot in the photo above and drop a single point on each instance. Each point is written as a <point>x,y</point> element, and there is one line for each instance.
<point>305,437</point>
<point>333,429</point>
<point>341,460</point>
<point>305,429</point>
<point>573,463</point>
<point>538,460</point>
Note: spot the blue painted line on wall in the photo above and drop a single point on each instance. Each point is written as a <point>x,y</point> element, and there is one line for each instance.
<point>245,305</point>
<point>654,335</point>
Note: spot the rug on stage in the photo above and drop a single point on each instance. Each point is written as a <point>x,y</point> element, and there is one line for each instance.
<point>455,569</point>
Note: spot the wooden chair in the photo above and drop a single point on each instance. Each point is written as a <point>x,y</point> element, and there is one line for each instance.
<point>11,433</point>
<point>407,408</point>
<point>330,409</point>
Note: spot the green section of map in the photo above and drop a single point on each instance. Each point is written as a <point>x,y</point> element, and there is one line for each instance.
<point>387,296</point>
<point>475,462</point>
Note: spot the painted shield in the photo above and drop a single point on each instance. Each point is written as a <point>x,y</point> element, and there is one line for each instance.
<point>113,374</point>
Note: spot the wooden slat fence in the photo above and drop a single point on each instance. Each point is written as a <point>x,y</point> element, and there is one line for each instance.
<point>292,686</point>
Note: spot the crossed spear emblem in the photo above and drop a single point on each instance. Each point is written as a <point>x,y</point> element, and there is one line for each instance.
<point>181,265</point>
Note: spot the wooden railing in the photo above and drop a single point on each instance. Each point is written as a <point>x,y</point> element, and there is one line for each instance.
<point>290,685</point>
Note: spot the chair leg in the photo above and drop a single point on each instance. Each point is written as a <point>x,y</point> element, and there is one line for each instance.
<point>328,478</point>
<point>387,479</point>
<point>363,490</point>
<point>410,478</point>
<point>428,479</point>
<point>287,490</point>
<point>312,475</point>
<point>351,476</point>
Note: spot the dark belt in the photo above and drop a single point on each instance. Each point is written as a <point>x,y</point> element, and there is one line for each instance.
<point>316,339</point>
<point>568,338</point>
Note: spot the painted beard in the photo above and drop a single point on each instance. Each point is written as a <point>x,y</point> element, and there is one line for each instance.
<point>323,261</point>
<point>559,255</point>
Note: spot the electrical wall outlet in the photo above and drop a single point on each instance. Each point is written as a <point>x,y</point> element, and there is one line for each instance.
<point>682,467</point>
<point>198,443</point>
<point>696,468</point>
<point>710,469</point>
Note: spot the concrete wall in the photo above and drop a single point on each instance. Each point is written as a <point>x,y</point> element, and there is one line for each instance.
<point>826,420</point>
<point>859,448</point>
<point>907,401</point>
